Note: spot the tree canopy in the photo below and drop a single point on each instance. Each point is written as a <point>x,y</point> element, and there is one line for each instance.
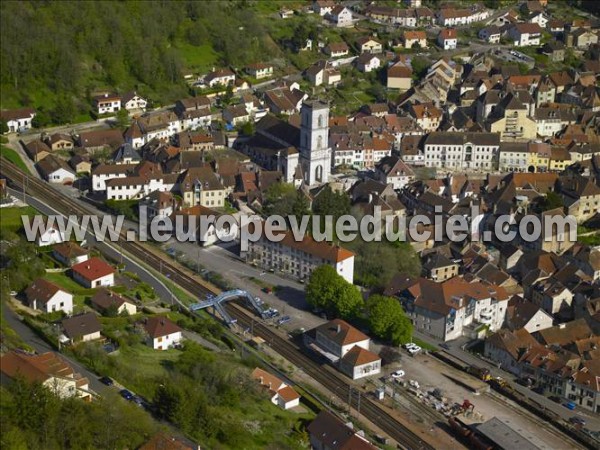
<point>387,319</point>
<point>377,262</point>
<point>330,292</point>
<point>283,199</point>
<point>71,49</point>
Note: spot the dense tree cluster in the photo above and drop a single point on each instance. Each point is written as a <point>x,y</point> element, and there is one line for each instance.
<point>378,261</point>
<point>329,291</point>
<point>65,50</point>
<point>387,319</point>
<point>32,417</point>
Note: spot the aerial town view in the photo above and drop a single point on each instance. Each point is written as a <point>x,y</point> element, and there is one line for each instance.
<point>300,224</point>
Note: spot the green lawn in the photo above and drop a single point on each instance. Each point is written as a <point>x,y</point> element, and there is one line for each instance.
<point>61,279</point>
<point>10,218</point>
<point>13,157</point>
<point>198,58</point>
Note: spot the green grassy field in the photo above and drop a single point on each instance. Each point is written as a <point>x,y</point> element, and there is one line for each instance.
<point>198,58</point>
<point>13,157</point>
<point>61,279</point>
<point>10,218</point>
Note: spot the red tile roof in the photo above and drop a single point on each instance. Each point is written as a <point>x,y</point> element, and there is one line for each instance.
<point>160,326</point>
<point>341,332</point>
<point>35,367</point>
<point>359,356</point>
<point>92,269</point>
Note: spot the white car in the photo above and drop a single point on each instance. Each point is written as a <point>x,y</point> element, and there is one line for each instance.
<point>414,349</point>
<point>414,383</point>
<point>398,373</point>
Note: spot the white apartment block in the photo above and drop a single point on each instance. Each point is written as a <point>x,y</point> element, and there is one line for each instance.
<point>299,259</point>
<point>462,150</point>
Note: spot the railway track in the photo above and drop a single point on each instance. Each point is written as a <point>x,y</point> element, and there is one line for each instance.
<point>321,373</point>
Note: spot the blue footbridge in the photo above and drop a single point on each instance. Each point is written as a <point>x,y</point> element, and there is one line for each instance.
<point>217,303</point>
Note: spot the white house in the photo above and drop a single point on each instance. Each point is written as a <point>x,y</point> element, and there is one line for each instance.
<point>55,170</point>
<point>392,170</point>
<point>104,172</point>
<point>282,395</point>
<point>104,299</point>
<point>131,101</point>
<point>336,49</point>
<point>367,62</point>
<point>107,103</point>
<point>338,337</point>
<point>18,119</point>
<point>369,45</point>
<point>359,363</point>
<point>209,235</point>
<point>538,17</point>
<point>525,34</point>
<point>220,77</point>
<point>490,34</point>
<point>341,16</point>
<point>46,296</point>
<point>323,7</point>
<point>82,328</point>
<point>260,70</point>
<point>345,346</point>
<point>93,273</point>
<point>162,333</point>
<point>50,370</point>
<point>133,188</point>
<point>447,39</point>
<point>69,253</point>
<point>50,236</point>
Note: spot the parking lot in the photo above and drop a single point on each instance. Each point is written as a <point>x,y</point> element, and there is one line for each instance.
<point>516,56</point>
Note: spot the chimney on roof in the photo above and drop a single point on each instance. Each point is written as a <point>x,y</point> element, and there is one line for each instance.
<point>338,328</point>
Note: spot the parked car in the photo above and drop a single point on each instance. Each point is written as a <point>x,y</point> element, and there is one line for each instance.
<point>127,395</point>
<point>555,398</point>
<point>575,420</point>
<point>570,405</point>
<point>413,349</point>
<point>107,381</point>
<point>445,346</point>
<point>398,373</point>
<point>267,290</point>
<point>414,383</point>
<point>284,319</point>
<point>538,390</point>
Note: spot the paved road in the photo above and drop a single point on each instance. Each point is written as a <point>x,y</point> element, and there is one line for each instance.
<point>593,421</point>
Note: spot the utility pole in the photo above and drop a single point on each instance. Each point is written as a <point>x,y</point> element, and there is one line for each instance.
<point>358,416</point>
<point>349,399</point>
<point>25,181</point>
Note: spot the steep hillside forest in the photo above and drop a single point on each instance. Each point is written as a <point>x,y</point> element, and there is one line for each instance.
<point>55,54</point>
